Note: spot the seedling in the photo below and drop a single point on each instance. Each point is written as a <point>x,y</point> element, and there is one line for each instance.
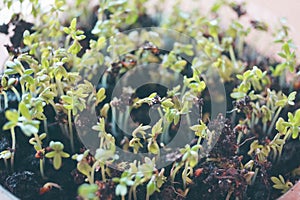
<point>290,128</point>
<point>281,184</point>
<point>57,154</point>
<point>87,192</point>
<point>36,141</point>
<point>48,186</point>
<point>189,161</point>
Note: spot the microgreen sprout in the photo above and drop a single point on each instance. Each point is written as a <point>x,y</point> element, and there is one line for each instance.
<point>57,154</point>
<point>281,184</point>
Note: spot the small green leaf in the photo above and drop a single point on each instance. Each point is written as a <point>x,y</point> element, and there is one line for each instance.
<point>73,24</point>
<point>24,110</point>
<point>279,125</point>
<point>121,190</point>
<point>237,95</point>
<point>151,187</point>
<point>67,30</point>
<point>153,147</point>
<point>87,191</point>
<point>101,42</point>
<point>12,115</point>
<point>168,103</point>
<point>9,125</point>
<point>157,128</point>
<point>84,168</point>
<point>281,103</point>
<point>57,161</point>
<point>50,154</point>
<point>180,64</point>
<point>80,37</point>
<point>100,95</point>
<point>28,129</point>
<point>42,136</point>
<point>74,48</point>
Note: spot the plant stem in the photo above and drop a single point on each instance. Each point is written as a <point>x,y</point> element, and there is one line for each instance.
<point>265,127</point>
<point>5,100</point>
<point>103,171</point>
<point>16,93</point>
<point>254,176</point>
<point>120,120</point>
<point>13,146</point>
<point>22,89</point>
<point>71,129</point>
<point>232,56</point>
<point>113,120</point>
<point>182,91</point>
<point>59,86</point>
<point>252,121</point>
<point>42,168</point>
<point>125,121</point>
<point>45,126</point>
<point>39,142</point>
<point>134,193</point>
<point>130,193</point>
<point>67,41</point>
<point>165,132</point>
<point>104,80</point>
<point>160,112</point>
<point>174,172</point>
<point>184,174</point>
<point>199,140</point>
<point>274,120</point>
<point>92,177</point>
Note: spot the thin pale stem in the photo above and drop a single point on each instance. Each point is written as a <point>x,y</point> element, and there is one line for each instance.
<point>120,120</point>
<point>67,41</point>
<point>16,93</point>
<point>5,100</point>
<point>13,146</point>
<point>130,193</point>
<point>22,89</point>
<point>39,142</point>
<point>59,86</point>
<point>45,126</point>
<point>274,120</point>
<point>134,193</point>
<point>71,129</point>
<point>127,115</point>
<point>113,120</point>
<point>232,56</point>
<point>102,166</point>
<point>91,179</point>
<point>183,91</point>
<point>254,176</point>
<point>174,172</point>
<point>42,168</point>
<point>184,174</point>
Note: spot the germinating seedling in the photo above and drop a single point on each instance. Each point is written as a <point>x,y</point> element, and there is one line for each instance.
<point>57,154</point>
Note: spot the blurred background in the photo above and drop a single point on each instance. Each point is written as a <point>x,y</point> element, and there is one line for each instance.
<point>269,11</point>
